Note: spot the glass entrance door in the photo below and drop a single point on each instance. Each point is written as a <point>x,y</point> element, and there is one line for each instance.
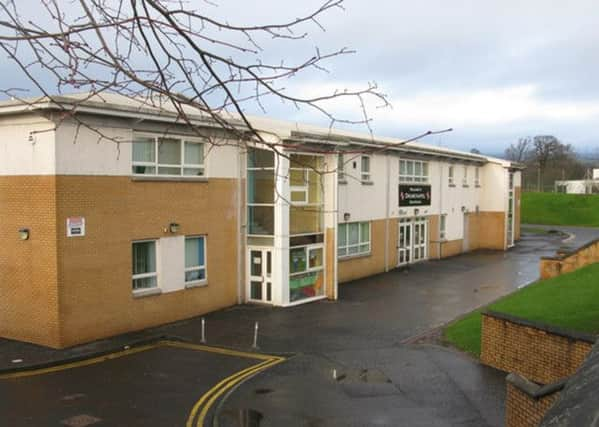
<point>413,240</point>
<point>260,275</point>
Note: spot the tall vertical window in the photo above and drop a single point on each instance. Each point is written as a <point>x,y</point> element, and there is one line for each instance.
<point>195,259</point>
<point>167,157</point>
<point>354,238</point>
<point>477,177</point>
<point>413,171</point>
<point>340,167</point>
<point>442,226</point>
<point>261,192</point>
<point>365,169</point>
<point>450,175</point>
<point>145,275</point>
<point>465,176</point>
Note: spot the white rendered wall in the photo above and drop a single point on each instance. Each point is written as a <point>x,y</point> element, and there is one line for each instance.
<point>22,155</point>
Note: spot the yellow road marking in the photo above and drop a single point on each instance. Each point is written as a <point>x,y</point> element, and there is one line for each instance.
<point>231,384</point>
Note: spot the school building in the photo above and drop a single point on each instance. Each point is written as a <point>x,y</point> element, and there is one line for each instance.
<point>121,217</point>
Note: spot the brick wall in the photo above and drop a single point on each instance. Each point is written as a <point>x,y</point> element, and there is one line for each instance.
<point>525,410</point>
<point>566,263</point>
<point>540,353</point>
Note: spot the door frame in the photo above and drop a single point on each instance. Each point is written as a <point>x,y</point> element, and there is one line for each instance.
<point>411,224</point>
<point>265,278</point>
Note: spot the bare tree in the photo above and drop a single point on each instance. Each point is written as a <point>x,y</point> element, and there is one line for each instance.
<point>167,53</point>
<point>548,149</point>
<point>519,151</point>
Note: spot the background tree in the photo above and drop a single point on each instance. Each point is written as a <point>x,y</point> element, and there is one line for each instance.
<point>519,151</point>
<point>168,54</point>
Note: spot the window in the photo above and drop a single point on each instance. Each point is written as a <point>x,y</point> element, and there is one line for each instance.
<point>145,275</point>
<point>354,239</point>
<point>167,157</point>
<point>465,177</point>
<point>261,192</point>
<point>195,259</point>
<point>442,226</point>
<point>340,168</point>
<point>477,177</point>
<point>413,171</point>
<point>306,272</point>
<point>299,186</point>
<point>450,175</point>
<point>365,169</point>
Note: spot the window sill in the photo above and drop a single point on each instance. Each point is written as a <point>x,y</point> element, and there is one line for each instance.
<point>452,185</point>
<point>342,181</point>
<point>367,183</point>
<point>465,186</point>
<point>151,178</point>
<point>477,186</point>
<point>147,292</point>
<point>198,284</point>
<point>352,257</point>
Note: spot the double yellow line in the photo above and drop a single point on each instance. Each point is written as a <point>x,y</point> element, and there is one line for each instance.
<point>203,405</point>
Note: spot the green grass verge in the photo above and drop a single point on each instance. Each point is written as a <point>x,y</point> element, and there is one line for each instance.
<point>569,301</point>
<point>560,209</point>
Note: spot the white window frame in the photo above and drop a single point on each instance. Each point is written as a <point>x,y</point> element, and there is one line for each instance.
<point>307,249</point>
<point>443,227</point>
<point>477,176</point>
<point>199,267</point>
<point>145,275</point>
<point>365,175</point>
<point>465,176</point>
<point>300,188</point>
<point>450,174</point>
<point>360,242</point>
<point>410,177</point>
<point>182,166</point>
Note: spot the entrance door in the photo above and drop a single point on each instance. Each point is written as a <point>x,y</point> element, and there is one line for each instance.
<point>260,275</point>
<point>413,240</point>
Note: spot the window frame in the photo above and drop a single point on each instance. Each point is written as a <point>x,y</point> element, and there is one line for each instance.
<point>409,175</point>
<point>157,165</point>
<point>465,176</point>
<point>307,249</point>
<point>357,245</point>
<point>204,267</point>
<point>450,175</point>
<point>341,168</point>
<point>477,176</point>
<point>145,275</point>
<point>443,227</point>
<point>365,175</point>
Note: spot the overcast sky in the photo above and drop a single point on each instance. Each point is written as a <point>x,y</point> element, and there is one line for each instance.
<point>492,70</point>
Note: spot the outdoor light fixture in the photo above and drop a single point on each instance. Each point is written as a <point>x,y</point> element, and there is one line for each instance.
<point>346,216</point>
<point>173,227</point>
<point>24,233</point>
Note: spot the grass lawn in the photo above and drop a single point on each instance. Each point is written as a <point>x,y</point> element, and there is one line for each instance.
<point>560,209</point>
<point>570,301</point>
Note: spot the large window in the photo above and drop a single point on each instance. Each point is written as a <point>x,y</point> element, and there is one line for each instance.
<point>261,192</point>
<point>306,272</point>
<point>306,194</point>
<point>195,259</point>
<point>413,171</point>
<point>167,157</point>
<point>354,239</point>
<point>145,275</point>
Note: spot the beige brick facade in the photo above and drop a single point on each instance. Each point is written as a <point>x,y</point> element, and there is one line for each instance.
<point>522,410</point>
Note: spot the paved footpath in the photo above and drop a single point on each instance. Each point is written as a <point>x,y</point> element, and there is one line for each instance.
<point>351,364</point>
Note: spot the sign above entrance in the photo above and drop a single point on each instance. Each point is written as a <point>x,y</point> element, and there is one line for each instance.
<point>414,195</point>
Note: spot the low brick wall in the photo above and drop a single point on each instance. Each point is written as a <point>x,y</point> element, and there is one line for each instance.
<point>526,402</point>
<point>570,260</point>
<point>540,353</point>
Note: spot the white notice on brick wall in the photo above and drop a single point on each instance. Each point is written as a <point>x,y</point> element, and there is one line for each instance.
<point>75,226</point>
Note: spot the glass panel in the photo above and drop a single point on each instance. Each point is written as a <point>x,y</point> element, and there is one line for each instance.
<point>145,283</point>
<point>314,187</point>
<point>195,275</point>
<point>364,248</point>
<point>410,168</point>
<point>143,150</point>
<point>402,167</point>
<point>425,169</point>
<point>417,168</point>
<point>194,153</point>
<point>193,171</point>
<point>194,252</point>
<point>364,232</point>
<point>352,250</point>
<point>365,164</point>
<point>342,252</point>
<point>261,158</point>
<point>268,263</point>
<point>256,263</point>
<point>354,233</point>
<point>306,286</point>
<point>297,178</point>
<point>268,291</point>
<point>261,220</point>
<point>309,239</point>
<point>342,234</point>
<point>169,171</point>
<point>144,257</point>
<point>297,260</point>
<point>256,290</point>
<point>305,220</point>
<point>169,151</point>
<point>298,196</point>
<point>144,169</point>
<point>315,257</point>
<point>261,186</point>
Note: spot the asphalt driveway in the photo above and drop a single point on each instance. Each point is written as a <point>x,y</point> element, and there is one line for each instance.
<point>352,364</point>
